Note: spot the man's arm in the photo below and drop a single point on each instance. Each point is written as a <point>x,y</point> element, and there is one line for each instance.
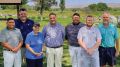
<point>117,47</point>
<point>6,45</point>
<point>82,44</point>
<point>97,44</point>
<point>15,49</point>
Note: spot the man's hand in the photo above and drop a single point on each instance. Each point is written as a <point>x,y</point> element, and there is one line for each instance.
<point>15,50</point>
<point>117,53</point>
<point>90,51</point>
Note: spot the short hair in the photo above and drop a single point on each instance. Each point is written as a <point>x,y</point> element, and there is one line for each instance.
<point>52,14</point>
<point>76,14</point>
<point>36,25</point>
<point>9,19</point>
<point>22,9</point>
<point>90,16</point>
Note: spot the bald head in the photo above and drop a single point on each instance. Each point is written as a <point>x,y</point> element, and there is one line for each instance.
<point>106,17</point>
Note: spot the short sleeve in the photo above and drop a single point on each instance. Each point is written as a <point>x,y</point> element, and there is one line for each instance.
<point>80,33</point>
<point>116,36</point>
<point>20,36</point>
<point>44,31</point>
<point>3,36</point>
<point>63,31</point>
<point>28,39</point>
<point>98,34</point>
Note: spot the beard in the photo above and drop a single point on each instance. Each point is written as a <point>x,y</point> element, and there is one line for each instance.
<point>105,22</point>
<point>89,25</point>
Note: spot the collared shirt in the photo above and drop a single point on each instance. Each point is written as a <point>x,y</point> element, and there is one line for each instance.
<point>25,28</point>
<point>54,35</point>
<point>36,42</point>
<point>89,35</point>
<point>72,32</point>
<point>109,35</point>
<point>11,36</point>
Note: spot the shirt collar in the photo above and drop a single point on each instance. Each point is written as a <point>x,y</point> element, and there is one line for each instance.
<point>8,29</point>
<point>53,25</point>
<point>89,28</point>
<point>34,34</point>
<point>109,25</point>
<point>25,21</point>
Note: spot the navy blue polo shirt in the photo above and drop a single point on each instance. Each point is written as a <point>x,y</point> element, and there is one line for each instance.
<point>25,28</point>
<point>72,32</point>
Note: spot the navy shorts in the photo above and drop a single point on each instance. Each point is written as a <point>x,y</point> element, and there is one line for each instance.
<point>34,62</point>
<point>107,56</point>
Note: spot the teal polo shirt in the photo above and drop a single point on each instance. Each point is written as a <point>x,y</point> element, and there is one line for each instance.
<point>109,35</point>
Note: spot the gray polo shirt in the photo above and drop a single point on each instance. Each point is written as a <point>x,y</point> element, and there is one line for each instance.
<point>11,36</point>
<point>89,35</point>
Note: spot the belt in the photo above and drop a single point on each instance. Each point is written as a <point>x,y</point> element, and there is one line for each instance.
<point>56,47</point>
<point>6,49</point>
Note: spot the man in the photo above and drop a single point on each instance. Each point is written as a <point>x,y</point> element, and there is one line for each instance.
<point>110,40</point>
<point>71,35</point>
<point>89,38</point>
<point>54,35</point>
<point>25,25</point>
<point>12,42</point>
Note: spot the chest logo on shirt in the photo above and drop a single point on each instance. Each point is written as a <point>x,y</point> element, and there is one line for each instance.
<point>52,32</point>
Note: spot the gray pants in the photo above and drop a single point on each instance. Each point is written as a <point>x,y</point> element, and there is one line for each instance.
<point>12,59</point>
<point>75,54</point>
<point>90,60</point>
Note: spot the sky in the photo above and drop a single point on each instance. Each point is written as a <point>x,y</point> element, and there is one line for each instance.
<point>78,3</point>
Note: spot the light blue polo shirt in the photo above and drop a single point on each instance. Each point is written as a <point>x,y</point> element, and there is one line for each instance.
<point>109,35</point>
<point>36,43</point>
<point>89,35</point>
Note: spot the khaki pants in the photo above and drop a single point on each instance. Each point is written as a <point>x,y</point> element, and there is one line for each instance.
<point>54,56</point>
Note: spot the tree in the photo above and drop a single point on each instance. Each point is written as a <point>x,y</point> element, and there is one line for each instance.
<point>99,7</point>
<point>42,5</point>
<point>24,2</point>
<point>62,5</point>
<point>93,7</point>
<point>102,7</point>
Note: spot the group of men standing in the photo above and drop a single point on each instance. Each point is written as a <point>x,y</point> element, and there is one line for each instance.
<point>89,45</point>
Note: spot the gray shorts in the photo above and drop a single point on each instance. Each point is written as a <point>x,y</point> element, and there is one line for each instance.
<point>90,60</point>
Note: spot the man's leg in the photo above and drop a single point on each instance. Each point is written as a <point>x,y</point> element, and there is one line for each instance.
<point>86,59</point>
<point>23,54</point>
<point>58,56</point>
<point>73,55</point>
<point>111,56</point>
<point>95,59</point>
<point>79,59</point>
<point>8,58</point>
<point>50,57</point>
<point>17,60</point>
<point>102,56</point>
